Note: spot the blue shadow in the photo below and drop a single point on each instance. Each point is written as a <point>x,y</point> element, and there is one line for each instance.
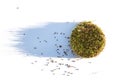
<point>49,40</point>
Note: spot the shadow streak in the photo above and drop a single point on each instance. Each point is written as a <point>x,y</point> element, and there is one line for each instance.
<point>49,40</point>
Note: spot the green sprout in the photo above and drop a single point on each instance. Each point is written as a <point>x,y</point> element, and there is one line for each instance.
<point>87,40</point>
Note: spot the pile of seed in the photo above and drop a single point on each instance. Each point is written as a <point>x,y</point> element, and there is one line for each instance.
<point>87,40</point>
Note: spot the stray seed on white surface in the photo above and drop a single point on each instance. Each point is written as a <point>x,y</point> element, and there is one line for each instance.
<point>35,61</point>
<point>73,60</point>
<point>53,73</point>
<point>76,69</point>
<point>17,7</point>
<point>41,69</point>
<point>32,63</point>
<point>90,62</point>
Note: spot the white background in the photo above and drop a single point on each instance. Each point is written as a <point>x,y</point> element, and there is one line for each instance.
<point>16,14</point>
